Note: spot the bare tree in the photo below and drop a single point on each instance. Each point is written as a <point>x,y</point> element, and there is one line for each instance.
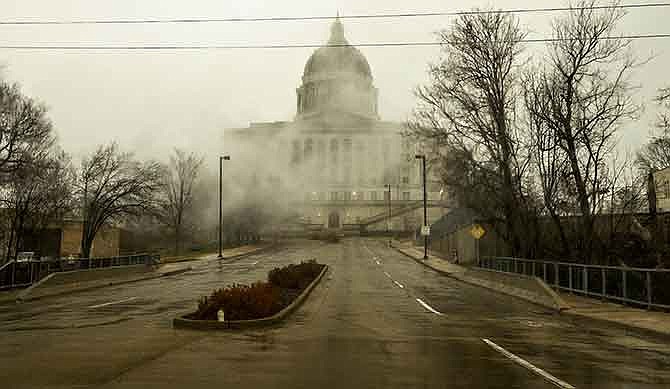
<point>113,185</point>
<point>468,109</point>
<point>178,184</point>
<point>552,169</point>
<point>38,194</point>
<point>25,131</point>
<point>655,155</point>
<point>582,97</point>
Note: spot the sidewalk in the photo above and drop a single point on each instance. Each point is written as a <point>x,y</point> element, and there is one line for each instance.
<point>655,323</point>
<point>605,312</point>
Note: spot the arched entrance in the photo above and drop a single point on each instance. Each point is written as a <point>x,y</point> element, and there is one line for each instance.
<point>334,220</point>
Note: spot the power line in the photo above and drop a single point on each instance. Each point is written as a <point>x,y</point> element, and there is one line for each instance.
<point>329,17</point>
<point>285,46</point>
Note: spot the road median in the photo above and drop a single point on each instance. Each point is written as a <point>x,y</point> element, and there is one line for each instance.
<point>183,322</point>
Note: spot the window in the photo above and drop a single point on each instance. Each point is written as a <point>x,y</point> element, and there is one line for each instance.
<point>405,180</point>
<point>347,174</point>
<point>386,150</point>
<point>309,148</point>
<point>373,196</point>
<point>295,155</point>
<point>347,145</point>
<point>321,153</point>
<point>387,196</point>
<point>405,196</point>
<point>333,196</point>
<point>347,196</point>
<point>334,149</point>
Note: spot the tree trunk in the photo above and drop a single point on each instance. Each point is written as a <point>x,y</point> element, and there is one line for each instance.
<point>177,240</point>
<point>582,197</point>
<point>86,241</point>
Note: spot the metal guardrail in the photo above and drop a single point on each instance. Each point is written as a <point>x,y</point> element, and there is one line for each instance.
<point>623,284</point>
<point>14,274</point>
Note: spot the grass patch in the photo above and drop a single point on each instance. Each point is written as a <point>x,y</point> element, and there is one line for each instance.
<point>260,299</point>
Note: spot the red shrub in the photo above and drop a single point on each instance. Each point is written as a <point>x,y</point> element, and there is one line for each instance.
<point>241,302</point>
<point>295,276</point>
<point>261,299</point>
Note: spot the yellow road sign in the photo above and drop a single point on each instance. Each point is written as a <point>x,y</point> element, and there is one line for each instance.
<point>477,231</point>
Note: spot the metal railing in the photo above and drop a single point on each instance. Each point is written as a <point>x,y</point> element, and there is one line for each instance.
<point>637,286</point>
<point>16,274</point>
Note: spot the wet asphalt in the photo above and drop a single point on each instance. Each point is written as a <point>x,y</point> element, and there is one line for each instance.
<point>377,320</point>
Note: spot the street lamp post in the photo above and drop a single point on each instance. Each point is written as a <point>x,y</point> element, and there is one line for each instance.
<point>388,219</point>
<point>425,212</point>
<point>221,159</point>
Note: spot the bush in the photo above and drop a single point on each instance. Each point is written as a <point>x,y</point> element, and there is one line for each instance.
<point>241,302</point>
<point>261,299</point>
<point>295,276</point>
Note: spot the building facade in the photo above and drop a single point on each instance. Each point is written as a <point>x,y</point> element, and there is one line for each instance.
<point>338,165</point>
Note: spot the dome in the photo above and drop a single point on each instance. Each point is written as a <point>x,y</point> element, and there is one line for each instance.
<point>337,57</point>
<point>337,80</point>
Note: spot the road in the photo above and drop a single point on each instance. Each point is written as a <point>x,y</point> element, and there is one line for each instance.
<point>377,320</point>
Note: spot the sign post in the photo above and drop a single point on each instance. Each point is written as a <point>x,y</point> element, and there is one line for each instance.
<point>477,232</point>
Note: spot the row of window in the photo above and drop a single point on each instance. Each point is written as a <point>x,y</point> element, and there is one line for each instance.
<point>353,196</point>
<point>306,149</point>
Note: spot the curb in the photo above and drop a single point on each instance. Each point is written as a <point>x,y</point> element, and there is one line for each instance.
<point>103,285</point>
<point>190,259</point>
<point>183,323</point>
<point>444,273</point>
<point>257,251</point>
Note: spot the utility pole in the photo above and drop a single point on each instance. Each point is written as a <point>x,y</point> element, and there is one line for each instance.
<point>425,211</point>
<point>221,159</point>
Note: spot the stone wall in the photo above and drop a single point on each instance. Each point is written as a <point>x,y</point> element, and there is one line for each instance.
<point>106,243</point>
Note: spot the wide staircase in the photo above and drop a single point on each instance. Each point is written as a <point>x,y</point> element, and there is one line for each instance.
<point>396,211</point>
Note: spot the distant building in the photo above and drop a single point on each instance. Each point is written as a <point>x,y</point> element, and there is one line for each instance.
<point>64,239</point>
<point>336,158</point>
<point>661,192</point>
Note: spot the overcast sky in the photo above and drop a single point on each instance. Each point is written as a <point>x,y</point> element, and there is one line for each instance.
<point>150,102</point>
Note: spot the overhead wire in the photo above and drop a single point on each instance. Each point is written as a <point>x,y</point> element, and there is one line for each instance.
<point>287,46</point>
<point>331,17</point>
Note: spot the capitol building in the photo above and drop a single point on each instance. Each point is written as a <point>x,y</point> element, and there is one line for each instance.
<point>334,164</point>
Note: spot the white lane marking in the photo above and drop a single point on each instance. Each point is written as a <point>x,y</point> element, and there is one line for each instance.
<point>529,366</point>
<point>401,286</point>
<point>387,275</point>
<point>428,307</point>
<point>113,302</point>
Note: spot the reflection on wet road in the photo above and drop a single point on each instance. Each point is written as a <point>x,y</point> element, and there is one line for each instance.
<point>376,320</point>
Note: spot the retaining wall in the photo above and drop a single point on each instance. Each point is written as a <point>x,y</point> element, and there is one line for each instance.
<point>77,280</point>
<point>529,288</point>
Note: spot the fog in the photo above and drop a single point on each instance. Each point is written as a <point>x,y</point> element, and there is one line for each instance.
<point>152,101</point>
